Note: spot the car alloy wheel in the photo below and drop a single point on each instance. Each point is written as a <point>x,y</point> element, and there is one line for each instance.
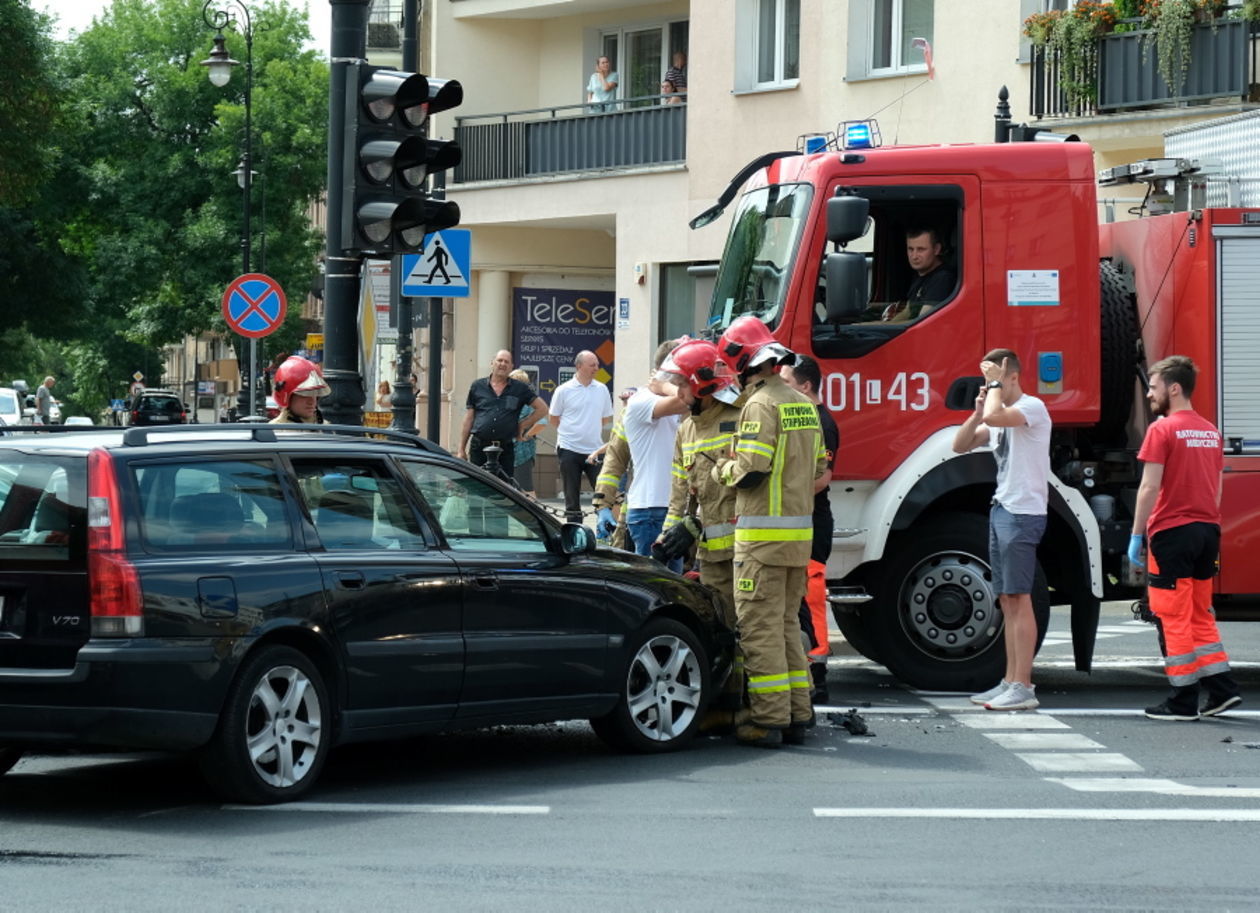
<point>664,691</point>
<point>284,726</point>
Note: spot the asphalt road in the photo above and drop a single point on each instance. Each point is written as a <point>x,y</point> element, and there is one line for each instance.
<point>1084,805</point>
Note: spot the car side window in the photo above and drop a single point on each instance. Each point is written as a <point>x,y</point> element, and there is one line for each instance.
<point>212,504</point>
<point>357,505</point>
<point>474,515</point>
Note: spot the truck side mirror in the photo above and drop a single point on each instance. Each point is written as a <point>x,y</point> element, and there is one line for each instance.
<point>846,286</point>
<point>846,218</point>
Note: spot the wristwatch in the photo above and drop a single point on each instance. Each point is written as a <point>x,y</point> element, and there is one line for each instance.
<point>993,385</point>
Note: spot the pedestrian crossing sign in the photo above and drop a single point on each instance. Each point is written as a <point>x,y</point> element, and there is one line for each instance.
<point>442,270</point>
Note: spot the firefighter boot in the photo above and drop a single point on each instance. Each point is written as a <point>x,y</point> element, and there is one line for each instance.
<point>1181,705</point>
<point>718,722</point>
<point>758,736</point>
<point>818,672</point>
<point>795,733</point>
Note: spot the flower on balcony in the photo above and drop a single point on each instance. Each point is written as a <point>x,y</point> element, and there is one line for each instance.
<point>1172,22</point>
<point>1072,36</point>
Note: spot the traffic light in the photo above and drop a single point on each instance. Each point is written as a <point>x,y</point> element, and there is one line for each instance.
<point>386,209</point>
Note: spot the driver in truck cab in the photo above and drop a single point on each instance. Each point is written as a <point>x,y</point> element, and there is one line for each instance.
<point>933,281</point>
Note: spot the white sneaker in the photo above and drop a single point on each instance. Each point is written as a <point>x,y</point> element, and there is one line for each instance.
<point>985,696</point>
<point>1017,696</point>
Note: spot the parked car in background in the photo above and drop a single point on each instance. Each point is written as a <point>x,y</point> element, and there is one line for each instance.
<point>157,407</point>
<point>78,420</point>
<point>258,594</point>
<point>11,411</point>
<point>54,409</point>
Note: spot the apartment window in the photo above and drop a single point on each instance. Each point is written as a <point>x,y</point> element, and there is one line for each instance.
<point>894,26</point>
<point>778,41</point>
<point>767,44</point>
<point>640,56</point>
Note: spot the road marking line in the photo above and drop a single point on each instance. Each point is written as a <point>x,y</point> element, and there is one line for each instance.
<point>1009,721</point>
<point>1042,740</point>
<point>1096,762</point>
<point>1061,814</point>
<point>394,808</point>
<point>905,710</point>
<point>1161,787</point>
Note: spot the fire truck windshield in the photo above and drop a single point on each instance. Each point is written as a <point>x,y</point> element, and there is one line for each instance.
<point>757,264</point>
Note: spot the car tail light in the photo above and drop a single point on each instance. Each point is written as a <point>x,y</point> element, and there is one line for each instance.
<point>117,607</point>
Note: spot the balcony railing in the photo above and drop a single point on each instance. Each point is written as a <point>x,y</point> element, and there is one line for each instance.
<point>571,138</point>
<point>1123,72</point>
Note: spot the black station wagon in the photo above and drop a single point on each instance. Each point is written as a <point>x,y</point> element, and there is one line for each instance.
<point>258,594</point>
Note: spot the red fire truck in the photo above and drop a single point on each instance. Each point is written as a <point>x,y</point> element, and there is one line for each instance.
<point>817,249</point>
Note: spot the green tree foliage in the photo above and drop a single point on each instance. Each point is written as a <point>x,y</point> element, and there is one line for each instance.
<point>28,96</point>
<point>141,203</point>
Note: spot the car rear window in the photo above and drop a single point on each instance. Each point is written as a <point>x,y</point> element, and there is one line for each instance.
<point>212,504</point>
<point>43,513</point>
<point>167,404</point>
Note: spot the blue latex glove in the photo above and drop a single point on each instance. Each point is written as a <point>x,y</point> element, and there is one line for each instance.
<point>1135,550</point>
<point>606,525</point>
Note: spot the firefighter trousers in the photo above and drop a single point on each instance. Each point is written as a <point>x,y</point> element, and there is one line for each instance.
<point>767,606</point>
<point>1180,565</point>
<point>720,575</point>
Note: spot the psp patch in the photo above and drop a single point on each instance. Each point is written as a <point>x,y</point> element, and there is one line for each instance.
<point>746,585</point>
<point>753,428</point>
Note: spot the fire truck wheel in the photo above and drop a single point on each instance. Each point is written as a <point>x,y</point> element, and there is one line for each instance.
<point>935,612</point>
<point>856,628</point>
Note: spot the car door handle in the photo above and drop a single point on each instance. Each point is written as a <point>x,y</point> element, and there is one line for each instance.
<point>484,581</point>
<point>350,580</point>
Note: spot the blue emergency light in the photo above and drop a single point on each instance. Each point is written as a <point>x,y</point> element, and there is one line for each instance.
<point>860,134</point>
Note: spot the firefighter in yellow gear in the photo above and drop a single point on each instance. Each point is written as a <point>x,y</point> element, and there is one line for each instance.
<point>778,454</point>
<point>707,384</point>
<point>608,488</point>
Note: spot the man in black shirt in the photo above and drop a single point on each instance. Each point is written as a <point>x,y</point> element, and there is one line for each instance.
<point>933,281</point>
<point>806,377</point>
<point>492,417</point>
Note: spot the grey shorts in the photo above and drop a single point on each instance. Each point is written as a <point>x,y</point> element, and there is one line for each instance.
<point>1013,542</point>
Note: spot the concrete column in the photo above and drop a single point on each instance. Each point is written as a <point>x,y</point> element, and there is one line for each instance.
<point>494,312</point>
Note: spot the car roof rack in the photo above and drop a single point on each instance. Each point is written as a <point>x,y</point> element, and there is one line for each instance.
<point>138,436</point>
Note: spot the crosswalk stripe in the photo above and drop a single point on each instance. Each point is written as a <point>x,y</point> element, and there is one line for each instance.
<point>1161,787</point>
<point>1009,721</point>
<point>394,808</point>
<point>1059,814</point>
<point>1083,761</point>
<point>1042,740</point>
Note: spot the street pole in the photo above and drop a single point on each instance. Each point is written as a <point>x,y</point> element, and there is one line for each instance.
<point>403,400</point>
<point>341,277</point>
<point>220,64</point>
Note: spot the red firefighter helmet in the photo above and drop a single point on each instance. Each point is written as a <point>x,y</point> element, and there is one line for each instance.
<point>747,343</point>
<point>297,375</point>
<point>698,364</point>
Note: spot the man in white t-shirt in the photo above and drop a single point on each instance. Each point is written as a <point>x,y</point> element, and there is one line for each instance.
<point>581,410</point>
<point>1017,518</point>
<point>651,424</point>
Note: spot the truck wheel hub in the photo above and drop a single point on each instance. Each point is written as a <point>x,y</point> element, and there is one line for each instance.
<point>948,606</point>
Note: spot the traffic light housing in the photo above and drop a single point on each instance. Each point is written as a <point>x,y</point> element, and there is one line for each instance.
<point>386,208</point>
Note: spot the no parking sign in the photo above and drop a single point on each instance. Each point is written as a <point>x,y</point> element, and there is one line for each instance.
<point>254,305</point>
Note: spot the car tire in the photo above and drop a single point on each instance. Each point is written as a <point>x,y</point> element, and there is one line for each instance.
<point>9,757</point>
<point>664,690</point>
<point>278,700</point>
<point>936,616</point>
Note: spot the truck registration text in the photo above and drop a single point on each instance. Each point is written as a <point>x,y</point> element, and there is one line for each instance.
<point>852,391</point>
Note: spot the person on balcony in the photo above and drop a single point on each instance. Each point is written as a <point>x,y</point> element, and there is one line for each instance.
<point>669,93</point>
<point>677,74</point>
<point>601,88</point>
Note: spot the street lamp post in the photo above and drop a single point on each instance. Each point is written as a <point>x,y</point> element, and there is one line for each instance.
<point>220,64</point>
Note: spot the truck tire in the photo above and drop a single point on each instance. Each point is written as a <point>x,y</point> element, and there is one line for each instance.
<point>1118,355</point>
<point>275,730</point>
<point>936,615</point>
<point>9,757</point>
<point>856,627</point>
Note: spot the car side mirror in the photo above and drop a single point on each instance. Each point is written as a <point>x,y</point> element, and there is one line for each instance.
<point>846,286</point>
<point>576,539</point>
<point>846,218</point>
